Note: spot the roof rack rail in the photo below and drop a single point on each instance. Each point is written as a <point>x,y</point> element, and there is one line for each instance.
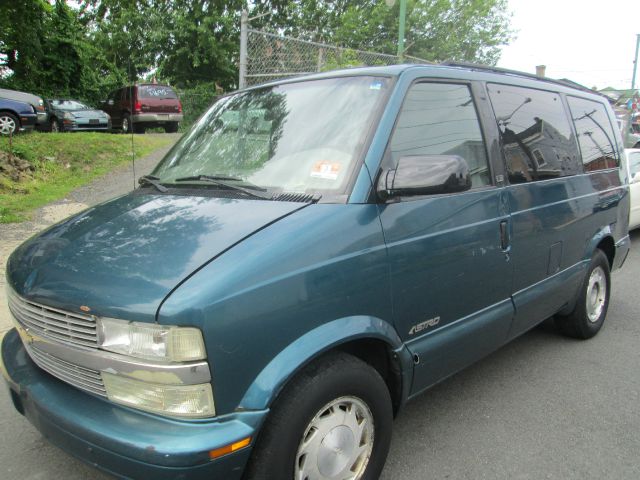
<point>486,68</point>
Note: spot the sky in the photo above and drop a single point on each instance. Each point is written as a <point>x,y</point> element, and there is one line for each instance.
<point>587,41</point>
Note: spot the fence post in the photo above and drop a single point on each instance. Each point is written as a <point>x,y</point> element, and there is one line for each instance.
<point>244,24</point>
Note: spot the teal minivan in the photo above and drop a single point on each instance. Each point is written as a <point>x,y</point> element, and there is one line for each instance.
<point>309,256</point>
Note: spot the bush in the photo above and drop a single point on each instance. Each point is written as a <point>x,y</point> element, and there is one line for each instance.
<point>195,101</point>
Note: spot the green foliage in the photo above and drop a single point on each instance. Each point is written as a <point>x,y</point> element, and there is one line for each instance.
<point>62,162</point>
<point>86,48</point>
<point>196,100</point>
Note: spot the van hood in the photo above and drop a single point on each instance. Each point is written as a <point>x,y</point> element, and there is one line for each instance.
<point>122,258</point>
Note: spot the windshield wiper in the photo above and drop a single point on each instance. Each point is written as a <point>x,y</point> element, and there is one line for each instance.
<point>153,181</point>
<point>223,180</point>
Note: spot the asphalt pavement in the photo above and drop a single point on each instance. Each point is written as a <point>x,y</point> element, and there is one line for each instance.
<point>542,407</point>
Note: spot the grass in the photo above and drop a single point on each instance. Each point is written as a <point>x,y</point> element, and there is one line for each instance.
<point>60,163</point>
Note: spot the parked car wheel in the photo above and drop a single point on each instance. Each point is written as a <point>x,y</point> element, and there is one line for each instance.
<point>171,127</point>
<point>9,124</point>
<point>126,124</point>
<point>332,421</point>
<point>588,316</point>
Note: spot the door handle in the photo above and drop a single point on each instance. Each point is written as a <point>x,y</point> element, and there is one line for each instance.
<point>505,241</point>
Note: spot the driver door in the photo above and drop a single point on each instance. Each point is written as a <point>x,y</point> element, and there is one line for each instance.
<point>448,253</point>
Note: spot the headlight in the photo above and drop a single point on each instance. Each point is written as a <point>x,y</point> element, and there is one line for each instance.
<point>68,116</point>
<point>194,401</point>
<point>151,341</point>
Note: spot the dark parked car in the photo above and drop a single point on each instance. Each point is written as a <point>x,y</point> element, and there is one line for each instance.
<point>16,117</point>
<point>138,107</point>
<point>311,255</point>
<point>75,116</point>
<point>34,100</point>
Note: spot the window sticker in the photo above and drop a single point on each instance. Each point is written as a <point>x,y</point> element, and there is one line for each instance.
<point>326,170</point>
<point>377,85</point>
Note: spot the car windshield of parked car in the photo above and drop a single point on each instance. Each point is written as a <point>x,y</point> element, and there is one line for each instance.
<point>156,91</point>
<point>301,137</point>
<point>68,105</point>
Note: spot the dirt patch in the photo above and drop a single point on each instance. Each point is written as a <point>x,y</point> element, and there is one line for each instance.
<point>15,168</point>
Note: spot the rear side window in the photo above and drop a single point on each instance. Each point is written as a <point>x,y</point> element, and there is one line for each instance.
<point>595,134</point>
<point>156,91</point>
<point>536,135</point>
<point>441,119</point>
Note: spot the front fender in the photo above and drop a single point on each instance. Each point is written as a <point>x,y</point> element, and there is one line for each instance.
<point>270,381</point>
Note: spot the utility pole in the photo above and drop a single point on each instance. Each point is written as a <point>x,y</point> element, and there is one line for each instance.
<point>244,24</point>
<point>635,62</point>
<point>403,14</point>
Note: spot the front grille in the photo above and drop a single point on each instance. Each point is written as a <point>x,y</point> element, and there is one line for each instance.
<point>51,323</point>
<point>80,377</point>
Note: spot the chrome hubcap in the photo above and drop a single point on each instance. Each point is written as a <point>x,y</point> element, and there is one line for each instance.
<point>54,126</point>
<point>337,443</point>
<point>7,125</point>
<point>596,294</point>
<point>125,124</point>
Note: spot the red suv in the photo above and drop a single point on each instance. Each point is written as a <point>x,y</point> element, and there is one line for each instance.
<point>138,107</point>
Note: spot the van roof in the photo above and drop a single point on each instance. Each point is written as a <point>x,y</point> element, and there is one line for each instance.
<point>397,70</point>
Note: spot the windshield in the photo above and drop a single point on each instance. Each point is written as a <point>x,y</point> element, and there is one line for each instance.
<point>68,105</point>
<point>300,137</point>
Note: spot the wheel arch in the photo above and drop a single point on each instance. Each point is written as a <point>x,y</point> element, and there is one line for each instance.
<point>370,339</point>
<point>602,240</point>
<point>15,114</point>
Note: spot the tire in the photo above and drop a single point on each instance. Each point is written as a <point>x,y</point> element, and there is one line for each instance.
<point>171,127</point>
<point>327,402</point>
<point>126,123</point>
<point>593,301</point>
<point>9,124</point>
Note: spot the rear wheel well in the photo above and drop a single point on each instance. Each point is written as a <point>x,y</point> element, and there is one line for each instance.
<point>380,356</point>
<point>609,249</point>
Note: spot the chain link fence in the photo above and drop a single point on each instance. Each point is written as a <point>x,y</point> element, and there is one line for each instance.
<point>272,57</point>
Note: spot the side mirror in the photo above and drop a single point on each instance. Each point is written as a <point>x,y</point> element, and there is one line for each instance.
<point>425,175</point>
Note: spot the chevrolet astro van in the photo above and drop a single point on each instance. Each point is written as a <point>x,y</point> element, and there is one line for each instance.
<point>312,254</point>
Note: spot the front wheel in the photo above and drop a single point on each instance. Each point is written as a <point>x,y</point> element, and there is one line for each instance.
<point>332,421</point>
<point>9,124</point>
<point>126,124</point>
<point>593,301</point>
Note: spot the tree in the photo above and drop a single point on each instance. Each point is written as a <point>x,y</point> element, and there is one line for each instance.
<point>436,30</point>
<point>201,42</point>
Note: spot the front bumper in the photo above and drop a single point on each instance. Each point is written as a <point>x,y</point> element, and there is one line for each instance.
<point>42,118</point>
<point>122,441</point>
<point>86,127</point>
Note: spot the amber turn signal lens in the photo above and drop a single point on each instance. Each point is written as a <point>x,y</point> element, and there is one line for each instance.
<point>219,452</point>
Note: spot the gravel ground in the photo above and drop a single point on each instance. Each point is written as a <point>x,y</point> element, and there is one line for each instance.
<point>115,183</point>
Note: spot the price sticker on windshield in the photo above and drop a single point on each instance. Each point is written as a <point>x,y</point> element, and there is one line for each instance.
<point>326,170</point>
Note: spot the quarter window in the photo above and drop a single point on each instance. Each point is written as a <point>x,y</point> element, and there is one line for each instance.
<point>595,134</point>
<point>441,119</point>
<point>535,132</point>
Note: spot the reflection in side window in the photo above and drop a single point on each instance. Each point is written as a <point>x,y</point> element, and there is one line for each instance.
<point>595,134</point>
<point>440,119</point>
<point>535,132</point>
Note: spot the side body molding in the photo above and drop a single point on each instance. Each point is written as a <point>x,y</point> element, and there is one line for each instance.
<point>296,355</point>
